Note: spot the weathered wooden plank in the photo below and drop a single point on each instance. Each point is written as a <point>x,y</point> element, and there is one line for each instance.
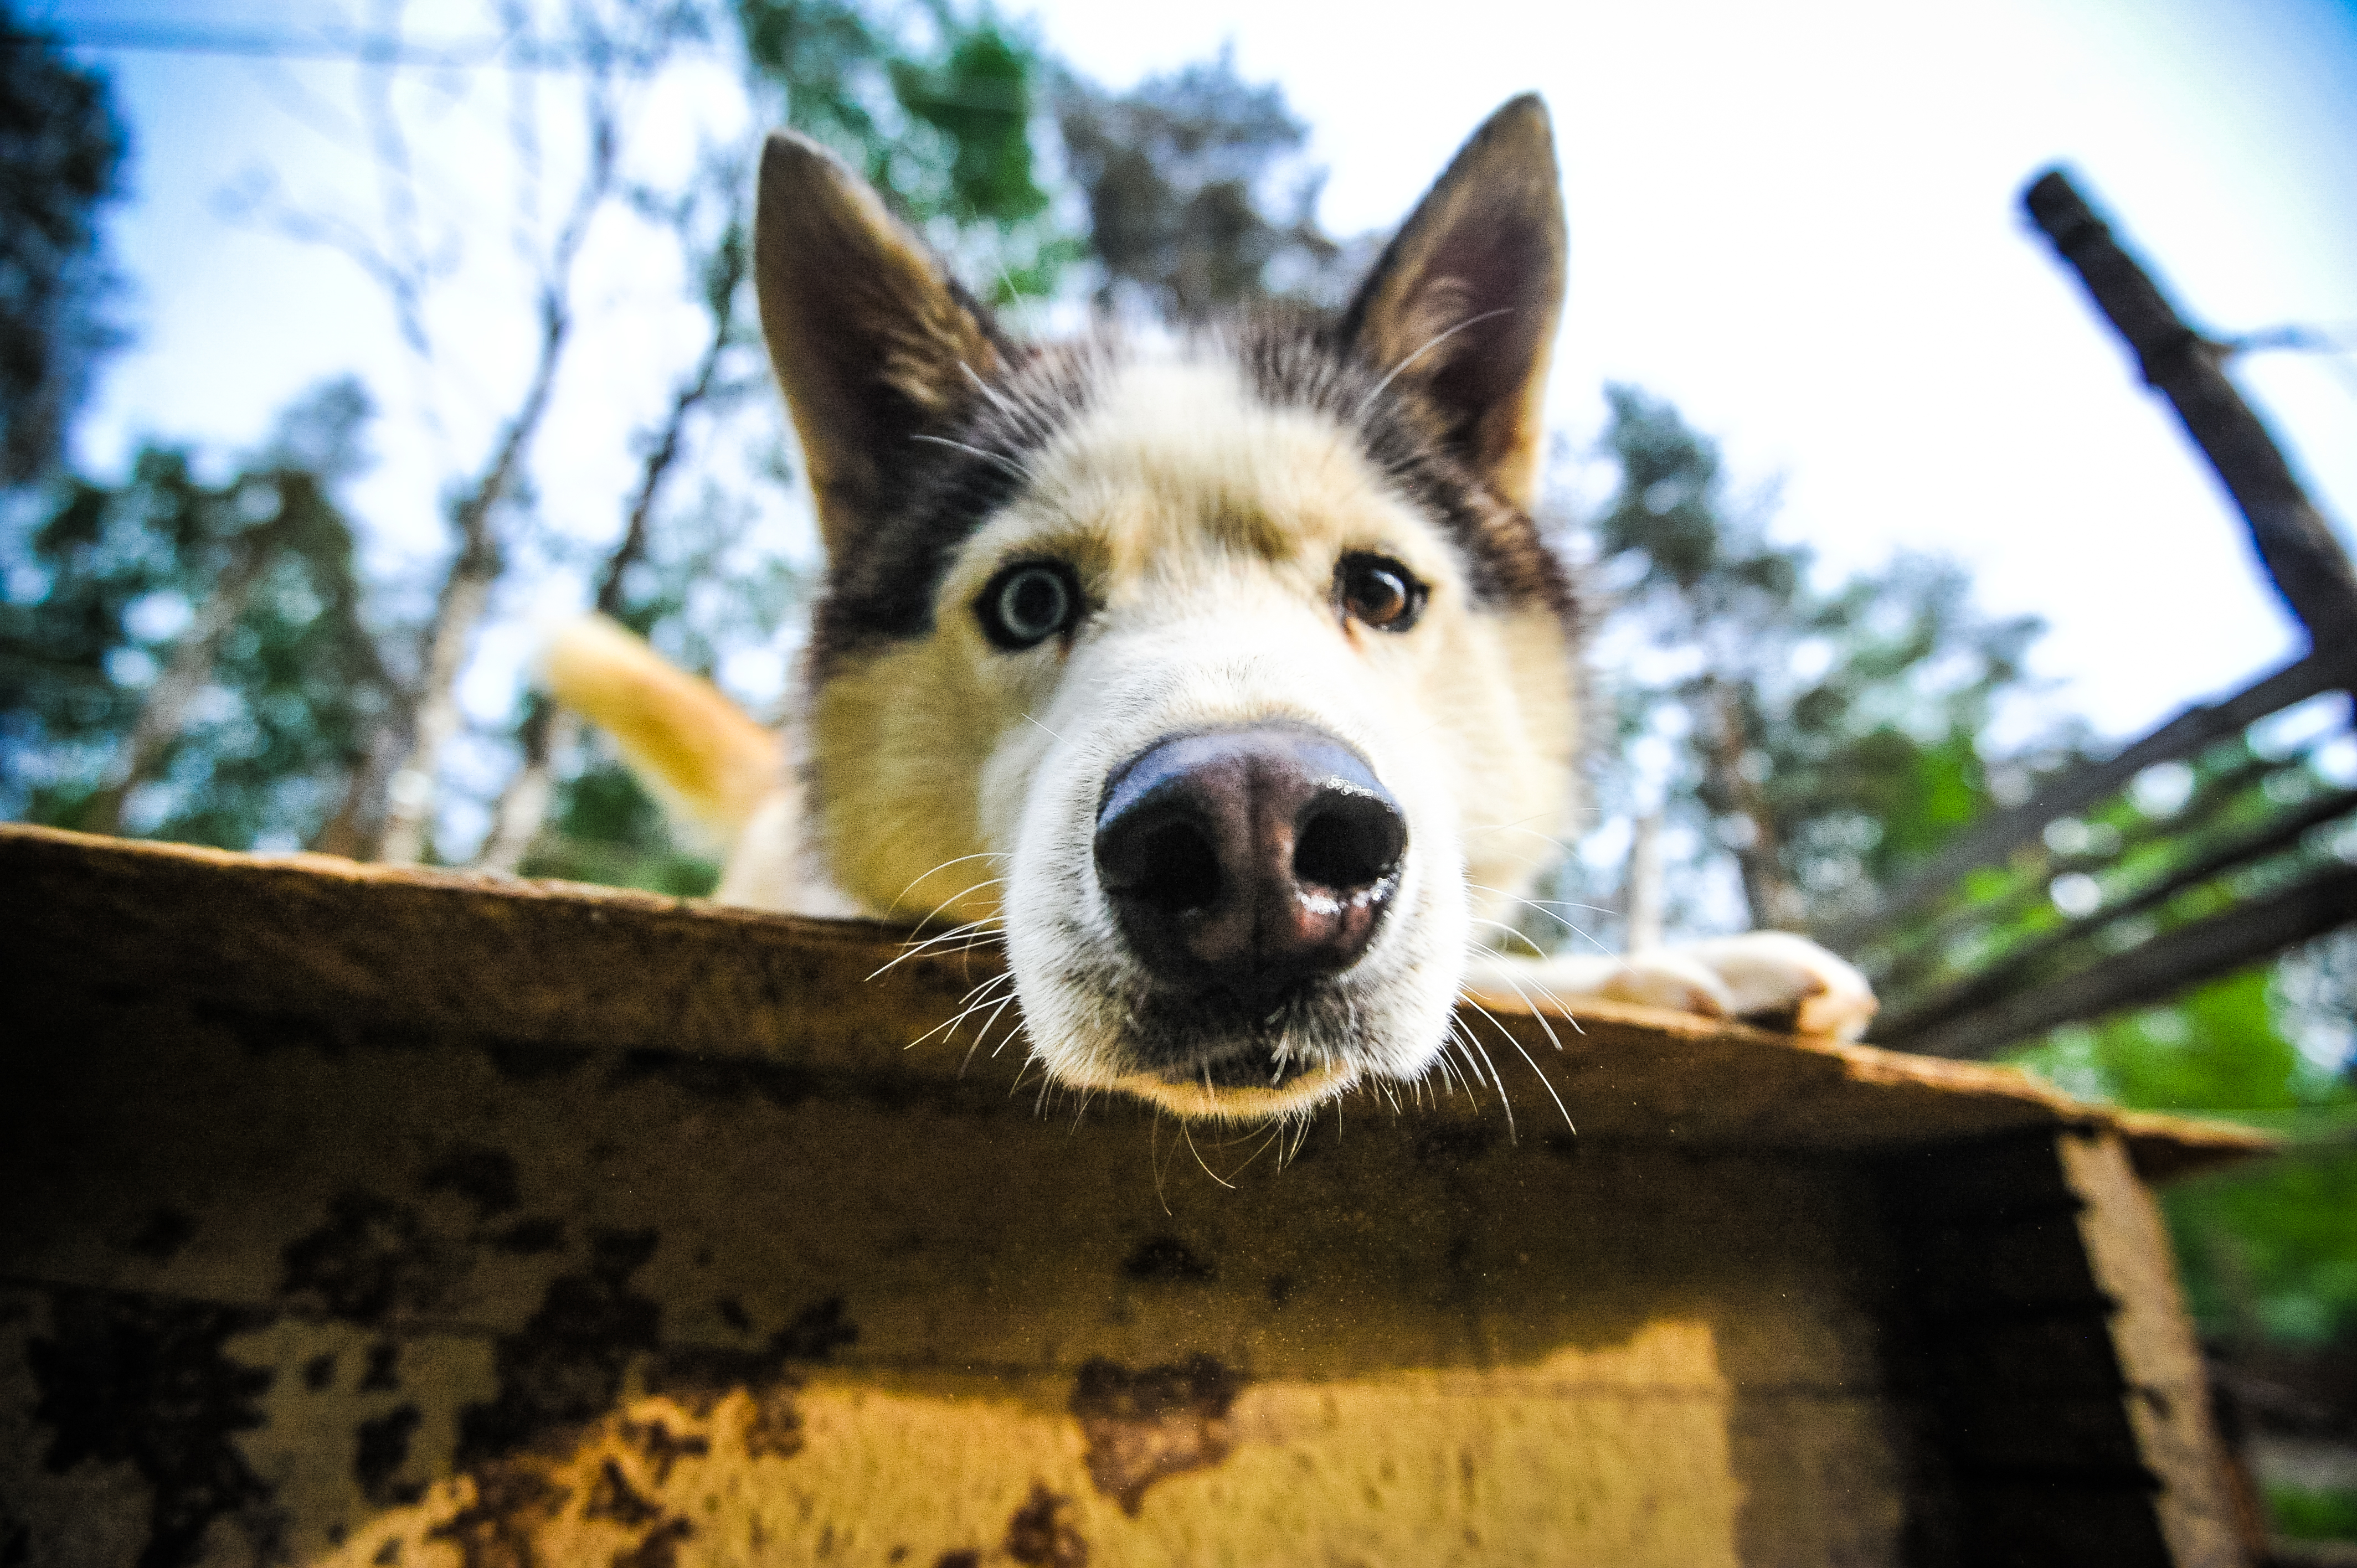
<point>1993,837</point>
<point>316,949</point>
<point>2011,971</point>
<point>2069,1408</point>
<point>428,1298</point>
<point>2167,1391</point>
<point>356,1217</point>
<point>2151,973</point>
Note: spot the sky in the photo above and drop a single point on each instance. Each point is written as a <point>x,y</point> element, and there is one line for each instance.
<point>1799,222</point>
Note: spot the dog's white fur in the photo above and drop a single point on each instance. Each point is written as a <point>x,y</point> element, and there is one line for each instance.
<point>1204,519</point>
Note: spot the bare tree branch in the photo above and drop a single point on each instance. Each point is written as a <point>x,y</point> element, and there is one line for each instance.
<point>464,596</point>
<point>1775,903</point>
<point>1642,898</point>
<point>523,804</point>
<point>166,707</point>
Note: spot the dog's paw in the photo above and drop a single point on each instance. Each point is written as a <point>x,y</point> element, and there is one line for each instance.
<point>1782,982</point>
<point>1666,977</point>
<point>1770,978</point>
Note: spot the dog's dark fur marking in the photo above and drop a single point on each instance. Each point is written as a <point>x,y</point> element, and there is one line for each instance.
<point>884,591</point>
<point>1308,364</point>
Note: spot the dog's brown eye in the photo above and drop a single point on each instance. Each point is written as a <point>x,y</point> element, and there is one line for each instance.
<point>1379,590</point>
<point>1028,602</point>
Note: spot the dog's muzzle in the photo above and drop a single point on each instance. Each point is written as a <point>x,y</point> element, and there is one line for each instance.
<point>1246,866</point>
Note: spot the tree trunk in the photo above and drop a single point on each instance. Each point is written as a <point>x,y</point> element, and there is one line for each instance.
<point>547,731</point>
<point>1775,903</point>
<point>457,611</point>
<point>1642,898</point>
<point>160,715</point>
<point>516,820</point>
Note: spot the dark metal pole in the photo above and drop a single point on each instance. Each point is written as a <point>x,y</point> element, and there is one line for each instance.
<point>2295,544</point>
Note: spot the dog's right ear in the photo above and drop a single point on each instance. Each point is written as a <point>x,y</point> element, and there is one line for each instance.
<point>873,343</point>
<point>1465,299</point>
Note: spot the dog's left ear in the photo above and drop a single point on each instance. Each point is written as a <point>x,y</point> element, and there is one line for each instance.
<point>872,341</point>
<point>1465,300</point>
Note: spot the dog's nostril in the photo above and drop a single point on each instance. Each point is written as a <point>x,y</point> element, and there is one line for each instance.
<point>1176,869</point>
<point>1247,863</point>
<point>1348,843</point>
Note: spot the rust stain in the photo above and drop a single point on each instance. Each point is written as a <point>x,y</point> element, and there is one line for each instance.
<point>1166,1260</point>
<point>486,1178</point>
<point>373,1260</point>
<point>613,1498</point>
<point>1146,1425</point>
<point>1041,1536</point>
<point>660,1547</point>
<point>380,1451</point>
<point>557,1469</point>
<point>511,1502</point>
<point>663,1447</point>
<point>564,1368</point>
<point>699,1376</point>
<point>144,1381</point>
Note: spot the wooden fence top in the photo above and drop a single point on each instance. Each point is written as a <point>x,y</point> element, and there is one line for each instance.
<point>336,951</point>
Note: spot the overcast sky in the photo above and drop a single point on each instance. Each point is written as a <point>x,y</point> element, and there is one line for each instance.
<point>1798,221</point>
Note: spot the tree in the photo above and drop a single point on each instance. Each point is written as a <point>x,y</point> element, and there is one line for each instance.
<point>1189,202</point>
<point>61,152</point>
<point>192,660</point>
<point>1818,739</point>
<point>936,107</point>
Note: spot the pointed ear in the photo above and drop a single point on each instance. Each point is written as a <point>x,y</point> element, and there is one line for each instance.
<point>1465,300</point>
<point>871,341</point>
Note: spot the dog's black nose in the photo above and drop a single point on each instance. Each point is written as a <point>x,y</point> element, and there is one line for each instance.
<point>1249,860</point>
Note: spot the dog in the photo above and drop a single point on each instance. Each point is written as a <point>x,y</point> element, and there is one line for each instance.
<point>1222,671</point>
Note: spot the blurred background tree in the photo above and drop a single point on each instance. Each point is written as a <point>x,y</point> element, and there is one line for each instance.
<point>1817,738</point>
<point>1199,196</point>
<point>192,660</point>
<point>61,153</point>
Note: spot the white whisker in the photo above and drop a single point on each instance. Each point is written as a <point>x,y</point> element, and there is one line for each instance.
<point>1503,1097</point>
<point>1515,1041</point>
<point>913,949</point>
<point>1435,341</point>
<point>961,860</point>
<point>1003,461</point>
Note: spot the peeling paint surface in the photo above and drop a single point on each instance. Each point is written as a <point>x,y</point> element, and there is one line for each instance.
<point>756,1329</point>
<point>387,1273</point>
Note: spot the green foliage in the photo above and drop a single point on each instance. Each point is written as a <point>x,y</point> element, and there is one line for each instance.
<point>104,581</point>
<point>1184,181</point>
<point>1827,737</point>
<point>978,100</point>
<point>61,152</point>
<point>938,116</point>
<point>2304,1515</point>
<point>607,828</point>
<point>2269,1253</point>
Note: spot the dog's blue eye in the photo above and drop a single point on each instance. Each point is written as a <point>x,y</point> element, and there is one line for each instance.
<point>1379,590</point>
<point>1026,604</point>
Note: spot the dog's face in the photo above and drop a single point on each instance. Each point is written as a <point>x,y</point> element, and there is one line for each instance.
<point>1227,669</point>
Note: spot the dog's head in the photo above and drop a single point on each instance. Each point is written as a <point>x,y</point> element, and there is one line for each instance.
<point>1227,669</point>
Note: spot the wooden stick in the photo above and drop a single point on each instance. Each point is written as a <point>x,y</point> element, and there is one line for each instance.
<point>2295,544</point>
<point>2148,975</point>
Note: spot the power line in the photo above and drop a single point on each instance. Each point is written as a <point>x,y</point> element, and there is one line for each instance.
<point>336,44</point>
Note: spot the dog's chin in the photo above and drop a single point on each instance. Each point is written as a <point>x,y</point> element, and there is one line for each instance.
<point>1243,1088</point>
<point>1205,1057</point>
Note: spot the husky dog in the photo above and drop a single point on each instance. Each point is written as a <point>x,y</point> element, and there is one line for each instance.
<point>1223,672</point>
